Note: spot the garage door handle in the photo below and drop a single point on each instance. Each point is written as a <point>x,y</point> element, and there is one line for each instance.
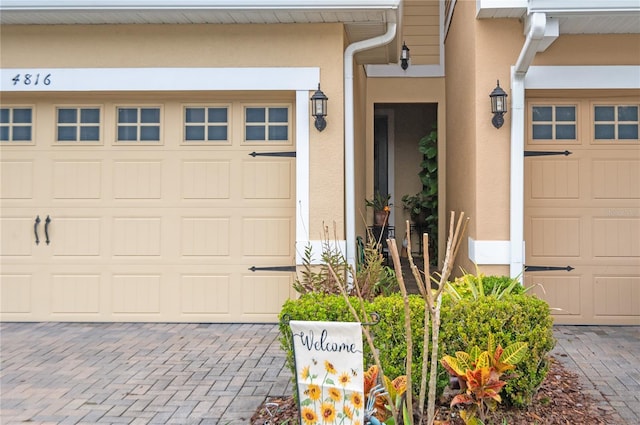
<point>46,229</point>
<point>35,229</point>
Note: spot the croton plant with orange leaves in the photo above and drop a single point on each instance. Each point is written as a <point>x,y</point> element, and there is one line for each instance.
<point>480,376</point>
<point>395,389</point>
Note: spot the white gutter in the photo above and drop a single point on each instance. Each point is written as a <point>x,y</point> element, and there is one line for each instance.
<point>537,26</point>
<point>349,138</point>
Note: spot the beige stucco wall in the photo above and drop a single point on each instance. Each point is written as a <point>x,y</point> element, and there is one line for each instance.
<point>493,62</point>
<point>592,49</point>
<point>460,65</point>
<point>78,46</point>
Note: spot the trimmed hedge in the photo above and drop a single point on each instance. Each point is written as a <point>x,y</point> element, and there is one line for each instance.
<point>388,334</point>
<point>515,318</point>
<point>463,324</point>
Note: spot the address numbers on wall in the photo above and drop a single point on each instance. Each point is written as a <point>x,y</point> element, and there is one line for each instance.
<point>37,79</point>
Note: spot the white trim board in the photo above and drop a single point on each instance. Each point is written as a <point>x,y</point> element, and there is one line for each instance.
<point>489,252</point>
<point>583,77</point>
<point>157,79</point>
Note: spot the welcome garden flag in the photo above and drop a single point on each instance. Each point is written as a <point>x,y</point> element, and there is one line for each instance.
<point>329,372</point>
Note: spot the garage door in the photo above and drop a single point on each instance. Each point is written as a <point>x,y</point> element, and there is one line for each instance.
<point>582,208</point>
<point>151,210</point>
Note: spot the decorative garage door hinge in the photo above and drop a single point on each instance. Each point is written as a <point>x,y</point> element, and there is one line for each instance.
<point>546,153</point>
<point>273,269</point>
<point>546,268</point>
<point>289,154</point>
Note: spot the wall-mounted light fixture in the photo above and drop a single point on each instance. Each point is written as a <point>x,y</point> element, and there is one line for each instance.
<point>498,105</point>
<point>404,57</point>
<point>319,108</point>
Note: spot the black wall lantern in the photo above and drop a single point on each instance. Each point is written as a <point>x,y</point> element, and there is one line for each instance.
<point>404,57</point>
<point>319,108</point>
<point>498,105</point>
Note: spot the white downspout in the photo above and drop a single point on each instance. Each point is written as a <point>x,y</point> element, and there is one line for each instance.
<point>349,138</point>
<point>537,27</point>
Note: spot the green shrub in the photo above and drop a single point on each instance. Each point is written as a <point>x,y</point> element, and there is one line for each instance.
<point>390,339</point>
<point>514,318</point>
<point>388,334</point>
<point>464,323</point>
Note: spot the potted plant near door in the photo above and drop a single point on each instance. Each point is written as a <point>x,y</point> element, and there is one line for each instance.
<point>381,208</point>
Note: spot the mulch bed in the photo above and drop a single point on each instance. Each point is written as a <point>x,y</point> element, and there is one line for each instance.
<point>559,401</point>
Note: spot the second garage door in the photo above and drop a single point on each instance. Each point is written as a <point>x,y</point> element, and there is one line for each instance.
<point>582,208</point>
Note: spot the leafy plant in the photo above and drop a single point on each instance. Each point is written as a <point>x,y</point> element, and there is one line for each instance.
<point>379,202</point>
<point>480,373</point>
<point>479,285</point>
<point>316,278</point>
<point>374,277</point>
<point>423,206</point>
<point>397,390</point>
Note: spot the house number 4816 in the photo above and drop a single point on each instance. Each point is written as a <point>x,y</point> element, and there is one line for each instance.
<point>32,79</point>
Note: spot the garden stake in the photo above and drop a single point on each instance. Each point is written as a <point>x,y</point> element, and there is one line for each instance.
<point>367,335</point>
<point>393,248</point>
<point>433,303</point>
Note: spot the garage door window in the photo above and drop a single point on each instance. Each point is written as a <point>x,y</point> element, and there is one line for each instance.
<point>267,124</point>
<point>16,124</point>
<point>78,124</point>
<point>616,122</point>
<point>554,122</point>
<point>206,124</point>
<point>138,124</point>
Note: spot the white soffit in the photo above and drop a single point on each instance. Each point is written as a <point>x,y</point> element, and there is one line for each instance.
<point>574,17</point>
<point>196,11</point>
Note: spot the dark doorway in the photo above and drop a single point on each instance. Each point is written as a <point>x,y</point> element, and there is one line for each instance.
<point>398,131</point>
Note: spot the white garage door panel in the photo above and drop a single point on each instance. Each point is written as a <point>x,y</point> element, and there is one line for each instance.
<point>16,179</point>
<point>205,294</point>
<point>616,237</point>
<point>137,179</point>
<point>555,179</point>
<point>76,293</point>
<point>206,179</point>
<point>205,236</point>
<point>261,292</point>
<point>137,236</point>
<point>15,293</point>
<point>267,237</point>
<point>75,236</point>
<point>561,291</point>
<point>616,179</point>
<point>136,293</point>
<point>555,236</point>
<point>267,179</point>
<point>16,235</point>
<point>77,179</point>
<point>617,295</point>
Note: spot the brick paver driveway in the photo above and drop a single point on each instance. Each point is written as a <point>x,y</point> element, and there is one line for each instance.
<point>136,373</point>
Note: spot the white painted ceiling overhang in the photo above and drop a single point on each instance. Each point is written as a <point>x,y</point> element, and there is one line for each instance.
<point>362,19</point>
<point>574,17</point>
